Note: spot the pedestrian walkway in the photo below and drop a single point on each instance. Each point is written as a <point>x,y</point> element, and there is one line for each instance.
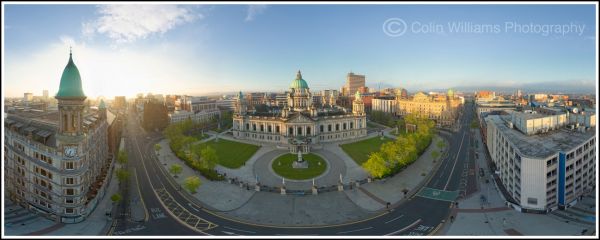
<point>20,221</point>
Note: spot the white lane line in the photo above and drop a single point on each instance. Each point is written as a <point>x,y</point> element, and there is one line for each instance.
<point>394,219</point>
<point>455,161</point>
<point>235,229</point>
<point>190,204</point>
<point>405,228</point>
<point>230,233</point>
<point>356,230</point>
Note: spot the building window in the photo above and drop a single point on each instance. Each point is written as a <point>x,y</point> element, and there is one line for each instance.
<point>322,128</point>
<point>69,165</point>
<point>344,126</point>
<point>307,130</point>
<point>351,125</point>
<point>69,200</point>
<point>329,128</point>
<point>262,128</point>
<point>277,129</point>
<point>247,126</point>
<point>532,201</point>
<point>253,127</point>
<point>69,210</point>
<point>291,131</point>
<point>269,128</point>
<point>69,191</point>
<point>299,130</point>
<point>69,181</point>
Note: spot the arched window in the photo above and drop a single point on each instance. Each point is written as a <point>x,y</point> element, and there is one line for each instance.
<point>291,131</point>
<point>322,128</point>
<point>299,130</point>
<point>307,130</point>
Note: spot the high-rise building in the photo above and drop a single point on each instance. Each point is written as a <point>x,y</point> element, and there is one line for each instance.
<point>353,83</point>
<point>28,97</point>
<point>120,102</point>
<point>57,163</point>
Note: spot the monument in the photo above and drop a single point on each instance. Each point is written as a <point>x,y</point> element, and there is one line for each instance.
<point>300,163</point>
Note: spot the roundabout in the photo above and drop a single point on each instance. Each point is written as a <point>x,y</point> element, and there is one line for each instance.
<point>284,166</point>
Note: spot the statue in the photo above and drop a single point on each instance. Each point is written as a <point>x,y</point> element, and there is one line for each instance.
<point>300,156</point>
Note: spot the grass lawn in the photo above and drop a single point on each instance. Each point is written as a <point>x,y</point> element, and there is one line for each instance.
<point>286,170</point>
<point>400,132</point>
<point>359,151</point>
<point>231,154</point>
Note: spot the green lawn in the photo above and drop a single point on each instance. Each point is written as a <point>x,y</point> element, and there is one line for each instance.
<point>359,151</point>
<point>283,166</point>
<point>231,154</point>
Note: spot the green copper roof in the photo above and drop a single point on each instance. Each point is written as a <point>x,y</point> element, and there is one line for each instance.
<point>298,82</point>
<point>357,95</point>
<point>102,105</point>
<point>70,82</point>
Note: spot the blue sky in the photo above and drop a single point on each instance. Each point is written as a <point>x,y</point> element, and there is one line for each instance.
<point>196,49</point>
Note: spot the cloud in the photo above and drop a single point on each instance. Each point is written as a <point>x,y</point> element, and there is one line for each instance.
<point>254,10</point>
<point>128,23</point>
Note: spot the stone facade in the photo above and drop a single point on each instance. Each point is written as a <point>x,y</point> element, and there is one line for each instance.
<point>300,119</point>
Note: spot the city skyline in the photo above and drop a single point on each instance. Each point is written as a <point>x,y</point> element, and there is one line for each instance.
<point>228,48</point>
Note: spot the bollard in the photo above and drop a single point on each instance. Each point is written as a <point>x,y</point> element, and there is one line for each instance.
<point>257,187</point>
<point>283,191</point>
<point>340,187</point>
<point>314,190</point>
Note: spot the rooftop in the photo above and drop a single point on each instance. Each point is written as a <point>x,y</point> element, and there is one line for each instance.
<point>541,145</point>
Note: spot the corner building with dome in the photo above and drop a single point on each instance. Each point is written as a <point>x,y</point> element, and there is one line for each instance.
<point>299,124</point>
<point>57,163</point>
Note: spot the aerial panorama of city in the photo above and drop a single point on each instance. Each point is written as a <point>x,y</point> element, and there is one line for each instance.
<point>299,120</point>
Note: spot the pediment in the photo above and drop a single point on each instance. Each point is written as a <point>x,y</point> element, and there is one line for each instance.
<point>299,118</point>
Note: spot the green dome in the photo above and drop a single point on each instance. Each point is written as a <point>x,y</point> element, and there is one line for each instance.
<point>450,93</point>
<point>70,82</point>
<point>102,105</point>
<point>298,83</point>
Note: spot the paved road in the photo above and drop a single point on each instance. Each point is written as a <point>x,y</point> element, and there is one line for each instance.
<point>418,215</point>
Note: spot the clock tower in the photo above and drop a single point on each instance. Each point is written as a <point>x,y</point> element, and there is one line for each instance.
<point>71,99</point>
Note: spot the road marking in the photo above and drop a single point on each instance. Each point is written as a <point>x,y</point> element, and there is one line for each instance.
<point>230,233</point>
<point>405,228</point>
<point>455,161</point>
<point>239,230</point>
<point>190,204</point>
<point>355,230</point>
<point>394,219</point>
<point>140,195</point>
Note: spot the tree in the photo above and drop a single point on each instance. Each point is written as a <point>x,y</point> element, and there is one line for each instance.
<point>441,144</point>
<point>122,174</point>
<point>376,165</point>
<point>175,169</point>
<point>122,157</point>
<point>435,154</point>
<point>209,157</point>
<point>157,147</point>
<point>116,198</point>
<point>192,183</point>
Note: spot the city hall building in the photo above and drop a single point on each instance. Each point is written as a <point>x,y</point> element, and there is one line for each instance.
<point>300,123</point>
<point>57,162</point>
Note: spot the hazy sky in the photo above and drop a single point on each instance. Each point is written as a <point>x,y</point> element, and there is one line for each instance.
<point>194,49</point>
